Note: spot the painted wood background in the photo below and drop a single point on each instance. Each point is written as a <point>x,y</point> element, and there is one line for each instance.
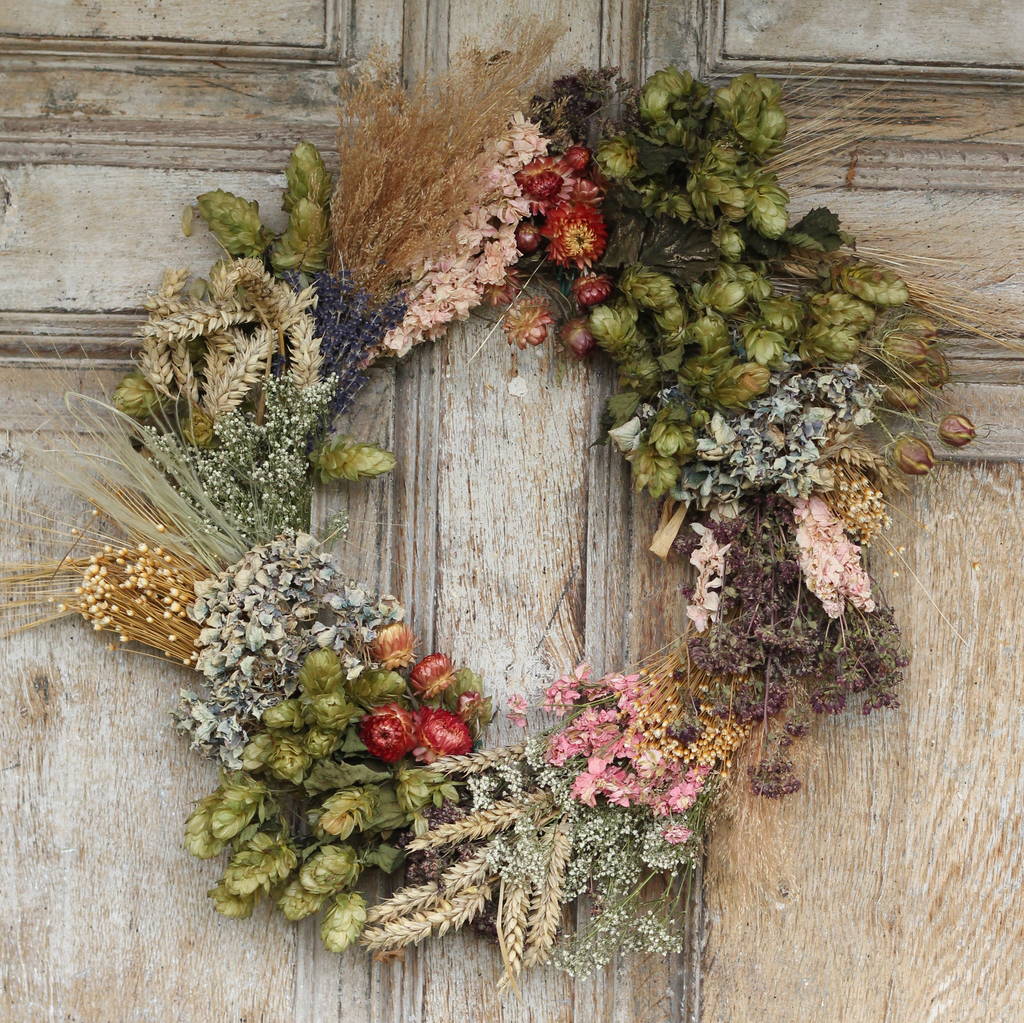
<point>516,544</point>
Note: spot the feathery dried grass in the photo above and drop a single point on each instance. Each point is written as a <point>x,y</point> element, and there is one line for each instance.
<point>408,155</point>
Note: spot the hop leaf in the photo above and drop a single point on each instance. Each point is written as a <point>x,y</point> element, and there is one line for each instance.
<point>343,922</point>
<point>235,222</point>
<point>304,244</point>
<point>342,459</point>
<point>384,857</point>
<point>135,396</point>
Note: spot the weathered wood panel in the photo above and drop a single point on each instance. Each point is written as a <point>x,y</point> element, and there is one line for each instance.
<point>900,895</point>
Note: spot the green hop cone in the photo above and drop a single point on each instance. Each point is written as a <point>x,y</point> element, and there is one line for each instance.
<point>320,742</point>
<point>729,242</point>
<point>197,429</point>
<point>750,106</point>
<point>348,810</point>
<point>648,288</point>
<point>756,285</point>
<point>342,459</point>
<point>656,472</point>
<point>329,869</point>
<point>296,903</point>
<point>671,319</point>
<point>782,314</point>
<point>284,715</point>
<point>763,345</point>
<point>135,396</point>
<point>332,711</point>
<point>613,325</point>
<point>722,293</point>
<point>237,907</point>
<point>320,673</point>
<point>838,309</point>
<point>305,242</point>
<point>672,435</point>
<point>282,757</point>
<point>661,91</point>
<point>823,343</point>
<point>768,207</point>
<point>234,222</point>
<point>879,287</point>
<point>738,385</point>
<point>640,374</point>
<point>710,332</point>
<point>376,686</point>
<point>307,178</point>
<point>343,922</point>
<point>263,861</point>
<point>618,157</point>
<point>414,787</point>
<point>199,838</point>
<point>711,192</point>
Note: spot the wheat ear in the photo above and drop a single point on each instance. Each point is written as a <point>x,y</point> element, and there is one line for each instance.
<point>482,823</point>
<point>415,927</point>
<point>477,763</point>
<point>156,366</point>
<point>514,907</point>
<point>304,352</point>
<point>404,901</point>
<point>228,383</point>
<point>546,910</point>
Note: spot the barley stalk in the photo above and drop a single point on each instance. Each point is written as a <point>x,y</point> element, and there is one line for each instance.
<point>546,911</point>
<point>477,763</point>
<point>482,823</point>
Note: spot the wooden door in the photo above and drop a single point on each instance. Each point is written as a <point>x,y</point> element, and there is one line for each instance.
<point>516,544</point>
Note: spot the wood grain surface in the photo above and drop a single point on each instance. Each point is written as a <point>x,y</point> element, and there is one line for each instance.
<point>515,543</point>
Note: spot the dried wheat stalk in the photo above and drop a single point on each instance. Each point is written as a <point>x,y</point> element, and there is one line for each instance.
<point>477,763</point>
<point>415,927</point>
<point>546,909</point>
<point>482,823</point>
<point>514,908</point>
<point>403,902</point>
<point>227,383</point>
<point>304,352</point>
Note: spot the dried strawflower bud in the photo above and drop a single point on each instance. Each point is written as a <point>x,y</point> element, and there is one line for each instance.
<point>957,431</point>
<point>913,456</point>
<point>528,237</point>
<point>591,289</point>
<point>576,158</point>
<point>906,349</point>
<point>432,676</point>
<point>576,337</point>
<point>393,646</point>
<point>902,399</point>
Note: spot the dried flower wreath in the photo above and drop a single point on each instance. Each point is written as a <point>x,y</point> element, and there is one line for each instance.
<point>772,391</point>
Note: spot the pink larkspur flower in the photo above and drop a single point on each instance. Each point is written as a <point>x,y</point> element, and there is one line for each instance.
<point>831,562</point>
<point>676,834</point>
<point>709,560</point>
<point>517,707</point>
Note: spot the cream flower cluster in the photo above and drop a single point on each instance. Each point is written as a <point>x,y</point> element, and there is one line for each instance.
<point>830,561</point>
<point>485,244</point>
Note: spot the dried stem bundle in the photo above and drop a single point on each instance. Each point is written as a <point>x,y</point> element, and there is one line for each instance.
<point>408,155</point>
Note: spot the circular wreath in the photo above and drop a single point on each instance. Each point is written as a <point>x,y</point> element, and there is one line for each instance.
<point>772,393</point>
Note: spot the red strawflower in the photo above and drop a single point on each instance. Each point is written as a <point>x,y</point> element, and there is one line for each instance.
<point>432,676</point>
<point>578,235</point>
<point>388,732</point>
<point>541,181</point>
<point>576,158</point>
<point>507,291</point>
<point>591,289</point>
<point>440,733</point>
